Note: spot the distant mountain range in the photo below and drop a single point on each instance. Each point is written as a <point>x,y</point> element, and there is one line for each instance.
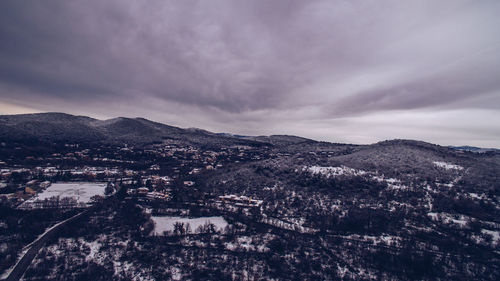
<point>62,127</point>
<point>474,149</point>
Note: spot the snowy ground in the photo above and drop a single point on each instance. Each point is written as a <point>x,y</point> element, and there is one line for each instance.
<point>495,235</point>
<point>331,172</point>
<point>167,223</point>
<point>456,219</point>
<point>334,171</point>
<point>81,191</point>
<point>447,166</point>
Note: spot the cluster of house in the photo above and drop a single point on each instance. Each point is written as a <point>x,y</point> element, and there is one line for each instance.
<point>207,159</point>
<point>197,160</point>
<point>237,203</point>
<point>24,191</point>
<point>240,201</point>
<point>144,192</point>
<point>33,186</point>
<point>51,171</point>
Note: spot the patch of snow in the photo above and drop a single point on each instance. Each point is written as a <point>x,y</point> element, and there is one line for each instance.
<point>457,219</point>
<point>167,223</point>
<point>447,166</point>
<point>460,222</point>
<point>334,171</point>
<point>244,242</point>
<point>476,196</point>
<point>176,273</point>
<point>342,271</point>
<point>287,225</point>
<point>495,235</point>
<point>391,180</point>
<point>449,185</point>
<point>392,183</point>
<point>94,249</point>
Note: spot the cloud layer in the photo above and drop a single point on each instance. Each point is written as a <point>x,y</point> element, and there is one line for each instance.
<point>355,71</point>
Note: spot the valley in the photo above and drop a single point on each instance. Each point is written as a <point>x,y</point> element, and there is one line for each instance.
<point>189,204</point>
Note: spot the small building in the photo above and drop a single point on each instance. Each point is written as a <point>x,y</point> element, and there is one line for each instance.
<point>189,183</point>
<point>158,196</point>
<point>32,182</point>
<point>29,190</point>
<point>195,171</point>
<point>45,184</point>
<point>154,167</point>
<point>143,191</point>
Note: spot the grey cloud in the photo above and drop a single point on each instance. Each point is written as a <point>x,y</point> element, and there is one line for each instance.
<point>439,90</point>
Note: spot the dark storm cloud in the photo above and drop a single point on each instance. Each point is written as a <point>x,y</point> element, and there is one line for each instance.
<point>233,61</point>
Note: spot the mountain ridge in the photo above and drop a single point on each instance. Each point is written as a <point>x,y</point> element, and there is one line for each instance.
<point>66,127</point>
<point>58,126</point>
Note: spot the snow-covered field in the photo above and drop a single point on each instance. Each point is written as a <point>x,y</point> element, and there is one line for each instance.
<point>167,223</point>
<point>81,192</point>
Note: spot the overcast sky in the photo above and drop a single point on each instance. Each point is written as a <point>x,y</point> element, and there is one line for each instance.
<point>341,71</point>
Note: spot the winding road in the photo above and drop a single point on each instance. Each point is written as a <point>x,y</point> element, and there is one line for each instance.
<point>20,267</point>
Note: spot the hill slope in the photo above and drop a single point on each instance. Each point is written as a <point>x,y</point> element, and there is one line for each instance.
<point>60,127</point>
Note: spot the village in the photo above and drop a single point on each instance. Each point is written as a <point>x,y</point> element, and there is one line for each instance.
<point>149,172</point>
